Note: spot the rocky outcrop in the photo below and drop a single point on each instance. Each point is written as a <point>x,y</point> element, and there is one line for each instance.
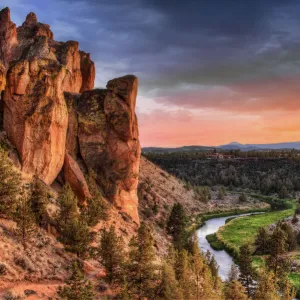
<point>88,72</point>
<point>35,116</point>
<point>52,125</point>
<point>108,139</point>
<point>8,37</point>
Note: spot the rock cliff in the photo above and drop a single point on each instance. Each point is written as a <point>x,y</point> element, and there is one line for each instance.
<point>57,122</point>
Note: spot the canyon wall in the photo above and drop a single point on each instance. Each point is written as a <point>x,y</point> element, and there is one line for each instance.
<point>58,123</point>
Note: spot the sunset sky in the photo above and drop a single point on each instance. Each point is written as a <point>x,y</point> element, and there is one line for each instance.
<point>210,71</point>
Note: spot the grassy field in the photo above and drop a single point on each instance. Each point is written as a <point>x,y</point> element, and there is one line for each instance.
<point>244,230</point>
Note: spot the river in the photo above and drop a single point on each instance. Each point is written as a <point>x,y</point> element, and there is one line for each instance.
<point>223,259</point>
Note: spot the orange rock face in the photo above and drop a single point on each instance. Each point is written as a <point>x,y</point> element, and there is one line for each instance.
<point>52,126</point>
<point>35,116</point>
<point>35,111</point>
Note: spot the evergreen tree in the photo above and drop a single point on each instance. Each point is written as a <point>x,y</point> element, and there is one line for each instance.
<point>141,275</point>
<point>169,287</point>
<point>38,199</point>
<point>96,209</point>
<point>176,226</point>
<point>77,286</point>
<point>278,246</point>
<point>267,288</point>
<point>221,194</point>
<point>233,273</point>
<point>76,236</point>
<point>112,256</point>
<point>246,270</point>
<point>262,242</point>
<point>10,182</point>
<point>214,268</point>
<point>242,197</point>
<point>197,264</point>
<point>68,206</point>
<point>184,275</point>
<point>25,220</point>
<point>291,237</point>
<point>235,291</point>
<point>289,292</point>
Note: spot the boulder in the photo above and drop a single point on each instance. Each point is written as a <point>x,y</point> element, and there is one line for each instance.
<point>74,176</point>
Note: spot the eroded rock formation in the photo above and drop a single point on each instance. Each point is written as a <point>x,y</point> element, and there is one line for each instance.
<point>52,125</point>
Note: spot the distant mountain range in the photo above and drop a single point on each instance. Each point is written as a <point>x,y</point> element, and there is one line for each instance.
<point>230,146</point>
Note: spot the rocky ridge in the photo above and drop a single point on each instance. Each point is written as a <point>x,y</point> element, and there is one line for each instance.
<point>58,124</point>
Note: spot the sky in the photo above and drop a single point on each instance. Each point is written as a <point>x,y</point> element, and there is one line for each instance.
<point>210,71</point>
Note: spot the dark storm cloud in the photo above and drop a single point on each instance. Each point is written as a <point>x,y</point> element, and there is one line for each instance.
<point>173,44</point>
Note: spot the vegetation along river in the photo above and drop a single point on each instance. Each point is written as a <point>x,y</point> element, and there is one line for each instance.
<point>223,259</point>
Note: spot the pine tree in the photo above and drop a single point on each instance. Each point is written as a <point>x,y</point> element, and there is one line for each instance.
<point>291,238</point>
<point>169,287</point>
<point>96,209</point>
<point>10,183</point>
<point>267,288</point>
<point>246,270</point>
<point>68,206</point>
<point>235,291</point>
<point>141,268</point>
<point>38,199</point>
<point>112,255</point>
<point>77,286</point>
<point>278,246</point>
<point>25,220</point>
<point>76,236</point>
<point>233,273</point>
<point>289,292</point>
<point>176,226</point>
<point>184,275</point>
<point>197,264</point>
<point>262,242</point>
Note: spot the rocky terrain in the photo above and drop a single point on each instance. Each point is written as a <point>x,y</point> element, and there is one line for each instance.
<point>56,126</point>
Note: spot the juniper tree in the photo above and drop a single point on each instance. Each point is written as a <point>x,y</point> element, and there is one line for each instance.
<point>38,199</point>
<point>289,292</point>
<point>10,183</point>
<point>112,255</point>
<point>77,286</point>
<point>246,270</point>
<point>141,269</point>
<point>25,220</point>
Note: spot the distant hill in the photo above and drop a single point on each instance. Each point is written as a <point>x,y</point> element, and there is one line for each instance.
<point>230,146</point>
<point>179,149</point>
<point>248,147</point>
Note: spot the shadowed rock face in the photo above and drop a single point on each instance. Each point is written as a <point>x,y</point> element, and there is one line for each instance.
<point>52,125</point>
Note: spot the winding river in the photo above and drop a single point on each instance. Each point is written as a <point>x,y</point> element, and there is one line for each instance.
<point>223,259</point>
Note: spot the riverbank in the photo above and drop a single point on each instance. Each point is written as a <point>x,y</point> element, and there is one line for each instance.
<point>240,231</point>
<point>200,219</point>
